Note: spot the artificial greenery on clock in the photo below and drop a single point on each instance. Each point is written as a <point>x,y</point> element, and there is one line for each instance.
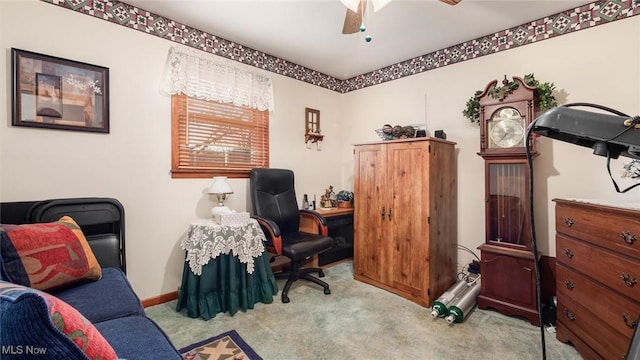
<point>544,90</point>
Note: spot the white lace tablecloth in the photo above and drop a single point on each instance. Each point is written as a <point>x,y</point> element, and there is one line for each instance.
<point>207,239</point>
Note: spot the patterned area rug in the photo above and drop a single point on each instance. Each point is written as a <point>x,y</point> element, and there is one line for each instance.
<point>226,346</point>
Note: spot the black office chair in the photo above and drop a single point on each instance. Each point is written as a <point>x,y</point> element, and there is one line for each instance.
<point>275,207</point>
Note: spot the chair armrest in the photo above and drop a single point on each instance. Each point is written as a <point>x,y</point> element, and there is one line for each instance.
<point>318,221</point>
<point>272,233</point>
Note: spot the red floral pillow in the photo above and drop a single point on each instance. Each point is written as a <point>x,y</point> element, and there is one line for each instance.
<point>48,255</point>
<point>24,306</point>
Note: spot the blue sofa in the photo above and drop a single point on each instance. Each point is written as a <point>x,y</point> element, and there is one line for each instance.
<point>109,303</point>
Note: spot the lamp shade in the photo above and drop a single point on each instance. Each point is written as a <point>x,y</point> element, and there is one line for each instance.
<point>220,186</point>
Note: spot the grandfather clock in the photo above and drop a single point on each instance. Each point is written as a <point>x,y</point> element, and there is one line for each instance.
<point>507,264</point>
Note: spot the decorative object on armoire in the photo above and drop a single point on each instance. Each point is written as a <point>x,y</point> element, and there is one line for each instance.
<point>440,134</point>
<point>388,132</point>
<point>55,93</point>
<point>312,128</point>
<point>544,91</point>
<point>414,259</point>
<point>507,262</point>
<point>597,267</point>
<point>344,199</point>
<point>221,189</point>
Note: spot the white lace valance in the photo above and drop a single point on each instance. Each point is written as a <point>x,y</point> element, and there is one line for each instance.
<point>202,75</point>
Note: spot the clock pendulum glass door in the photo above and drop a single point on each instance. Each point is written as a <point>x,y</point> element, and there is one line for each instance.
<point>506,203</point>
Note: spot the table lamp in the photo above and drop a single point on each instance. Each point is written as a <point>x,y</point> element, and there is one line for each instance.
<point>221,189</point>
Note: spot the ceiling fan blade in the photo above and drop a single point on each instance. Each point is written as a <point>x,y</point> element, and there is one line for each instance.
<point>351,4</point>
<point>379,4</point>
<point>352,22</point>
<point>451,2</point>
<point>353,19</point>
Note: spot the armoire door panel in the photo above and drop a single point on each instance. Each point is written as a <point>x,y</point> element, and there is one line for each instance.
<point>408,221</point>
<point>370,186</point>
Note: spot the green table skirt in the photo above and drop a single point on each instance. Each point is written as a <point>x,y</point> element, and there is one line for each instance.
<point>225,286</point>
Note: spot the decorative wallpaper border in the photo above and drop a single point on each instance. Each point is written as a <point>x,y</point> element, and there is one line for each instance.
<point>566,22</point>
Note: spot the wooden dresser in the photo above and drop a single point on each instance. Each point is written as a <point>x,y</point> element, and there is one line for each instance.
<point>597,274</point>
<point>405,231</point>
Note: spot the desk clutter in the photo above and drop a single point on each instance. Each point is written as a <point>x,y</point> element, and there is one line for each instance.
<point>329,200</point>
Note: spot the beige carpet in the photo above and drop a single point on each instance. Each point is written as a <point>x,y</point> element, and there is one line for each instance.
<point>359,321</point>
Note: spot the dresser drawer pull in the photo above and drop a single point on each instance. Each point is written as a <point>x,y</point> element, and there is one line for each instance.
<point>569,253</point>
<point>568,222</point>
<point>571,316</point>
<point>630,281</point>
<point>629,321</point>
<point>569,284</point>
<point>628,237</point>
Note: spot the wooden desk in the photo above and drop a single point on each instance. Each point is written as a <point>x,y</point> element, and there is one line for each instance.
<point>340,224</point>
<point>335,211</point>
<point>340,227</point>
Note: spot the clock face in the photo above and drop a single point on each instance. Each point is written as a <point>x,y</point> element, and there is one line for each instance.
<point>506,129</point>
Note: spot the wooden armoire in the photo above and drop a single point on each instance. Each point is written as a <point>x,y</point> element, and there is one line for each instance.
<point>405,211</point>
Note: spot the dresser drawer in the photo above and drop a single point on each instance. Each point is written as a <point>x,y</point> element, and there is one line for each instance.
<point>614,271</point>
<point>612,228</point>
<point>605,340</point>
<point>614,309</point>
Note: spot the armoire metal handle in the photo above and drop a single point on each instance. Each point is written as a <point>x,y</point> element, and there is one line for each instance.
<point>568,222</point>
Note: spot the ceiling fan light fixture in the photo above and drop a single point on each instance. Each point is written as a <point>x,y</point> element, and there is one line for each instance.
<point>379,4</point>
<point>351,4</point>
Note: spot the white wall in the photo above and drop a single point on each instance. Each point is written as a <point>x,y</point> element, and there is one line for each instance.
<point>597,65</point>
<point>132,162</point>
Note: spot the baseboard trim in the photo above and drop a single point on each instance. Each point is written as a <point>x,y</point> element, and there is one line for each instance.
<point>160,299</point>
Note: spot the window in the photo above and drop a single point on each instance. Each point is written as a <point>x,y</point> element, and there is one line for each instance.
<point>214,138</point>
